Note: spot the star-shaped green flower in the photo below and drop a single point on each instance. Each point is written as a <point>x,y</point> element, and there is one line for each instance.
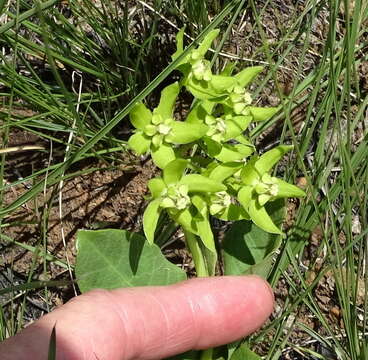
<point>180,196</point>
<point>259,187</point>
<point>157,131</point>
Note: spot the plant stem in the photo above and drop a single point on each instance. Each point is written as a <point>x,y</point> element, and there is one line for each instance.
<point>207,354</point>
<point>198,258</point>
<point>202,271</point>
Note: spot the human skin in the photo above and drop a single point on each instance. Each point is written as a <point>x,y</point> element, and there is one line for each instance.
<point>148,322</point>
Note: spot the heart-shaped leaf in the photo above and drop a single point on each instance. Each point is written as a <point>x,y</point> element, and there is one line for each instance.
<point>114,258</point>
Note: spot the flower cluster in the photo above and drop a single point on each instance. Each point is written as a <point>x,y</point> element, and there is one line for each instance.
<point>228,179</point>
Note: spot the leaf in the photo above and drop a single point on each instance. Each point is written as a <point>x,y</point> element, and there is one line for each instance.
<point>150,219</point>
<point>139,143</point>
<point>140,116</point>
<point>179,43</point>
<point>236,126</point>
<point>162,155</point>
<point>112,258</point>
<point>222,84</point>
<point>249,173</point>
<point>231,153</point>
<point>202,90</point>
<point>207,41</point>
<point>203,224</point>
<point>287,190</point>
<point>199,183</point>
<point>185,219</point>
<point>247,249</point>
<point>247,75</point>
<point>260,217</point>
<point>174,170</point>
<point>167,100</point>
<point>263,113</point>
<point>223,171</point>
<point>244,353</point>
<point>184,133</point>
<point>245,196</point>
<point>270,158</point>
<point>234,213</point>
<point>198,113</point>
<point>156,186</point>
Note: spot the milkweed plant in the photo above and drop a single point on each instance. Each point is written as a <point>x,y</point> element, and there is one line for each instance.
<point>226,178</point>
<point>210,169</point>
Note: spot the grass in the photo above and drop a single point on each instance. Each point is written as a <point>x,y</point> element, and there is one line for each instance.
<point>71,75</point>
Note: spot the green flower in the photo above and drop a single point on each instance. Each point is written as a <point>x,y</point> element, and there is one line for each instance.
<point>156,131</point>
<point>201,70</point>
<point>259,187</point>
<point>181,197</point>
<point>240,99</point>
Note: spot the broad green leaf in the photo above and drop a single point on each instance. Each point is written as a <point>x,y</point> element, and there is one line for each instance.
<point>247,249</point>
<point>244,353</point>
<point>140,116</point>
<point>162,155</point>
<point>260,217</point>
<point>287,190</point>
<point>270,158</point>
<point>139,143</point>
<point>199,183</point>
<point>231,153</point>
<point>174,170</point>
<point>167,100</point>
<point>184,133</point>
<point>223,171</point>
<point>150,219</point>
<point>112,258</point>
<point>207,41</point>
<point>263,113</point>
<point>156,186</point>
<point>247,75</point>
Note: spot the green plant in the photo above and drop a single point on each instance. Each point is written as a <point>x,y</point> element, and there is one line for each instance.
<point>209,169</point>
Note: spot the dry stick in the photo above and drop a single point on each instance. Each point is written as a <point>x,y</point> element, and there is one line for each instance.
<point>21,148</point>
<point>61,184</point>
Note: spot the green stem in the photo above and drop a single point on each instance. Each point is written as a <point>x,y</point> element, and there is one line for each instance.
<point>198,258</point>
<point>207,354</point>
<point>202,271</point>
